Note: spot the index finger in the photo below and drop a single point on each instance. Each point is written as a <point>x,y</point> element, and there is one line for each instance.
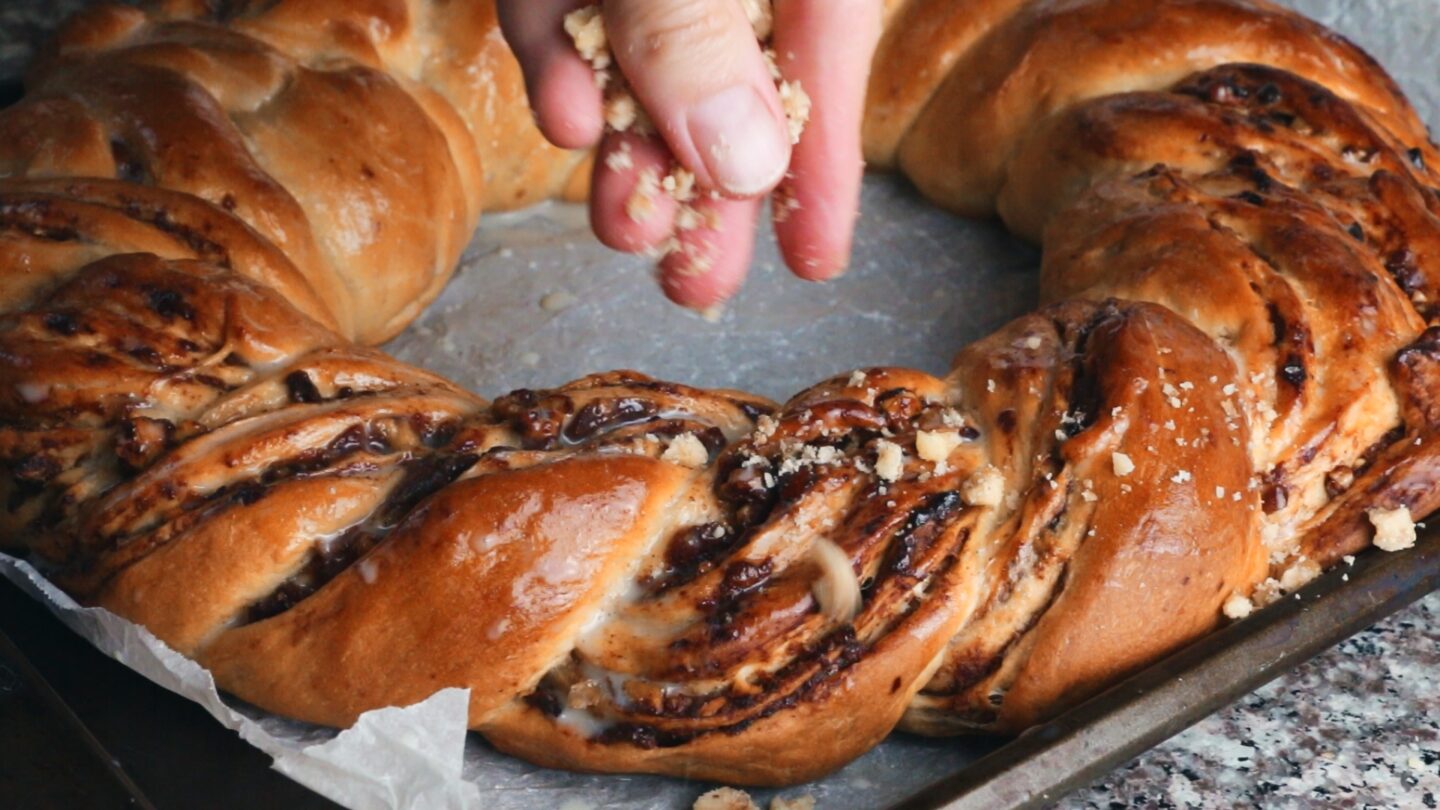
<point>826,47</point>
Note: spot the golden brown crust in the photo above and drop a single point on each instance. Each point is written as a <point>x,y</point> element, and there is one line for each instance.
<point>205,212</point>
<point>385,631</point>
<point>1051,55</point>
<point>919,47</point>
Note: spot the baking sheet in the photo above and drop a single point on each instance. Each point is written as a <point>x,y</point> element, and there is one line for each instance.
<point>538,302</point>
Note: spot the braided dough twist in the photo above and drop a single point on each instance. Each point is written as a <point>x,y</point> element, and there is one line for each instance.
<point>208,210</point>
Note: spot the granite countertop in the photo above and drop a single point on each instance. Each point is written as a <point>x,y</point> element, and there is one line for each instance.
<point>1358,726</point>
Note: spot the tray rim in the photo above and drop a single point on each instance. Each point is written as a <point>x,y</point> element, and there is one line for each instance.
<point>1088,741</point>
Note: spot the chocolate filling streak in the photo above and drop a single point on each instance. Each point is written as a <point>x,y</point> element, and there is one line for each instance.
<point>901,537</point>
<point>600,422</point>
<point>422,477</point>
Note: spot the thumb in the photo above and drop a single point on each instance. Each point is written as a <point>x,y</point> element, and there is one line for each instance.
<point>696,68</point>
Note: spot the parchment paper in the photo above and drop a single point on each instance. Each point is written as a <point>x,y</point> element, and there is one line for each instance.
<point>537,302</point>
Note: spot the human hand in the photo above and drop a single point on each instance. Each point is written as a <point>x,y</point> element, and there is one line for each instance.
<point>698,71</point>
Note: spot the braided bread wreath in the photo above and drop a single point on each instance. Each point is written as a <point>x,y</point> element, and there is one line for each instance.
<point>209,212</point>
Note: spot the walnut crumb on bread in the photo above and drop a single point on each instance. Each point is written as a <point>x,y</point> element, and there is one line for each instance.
<point>1122,464</point>
<point>1394,528</point>
<point>687,451</point>
<point>985,487</point>
<point>889,460</point>
<point>1238,607</point>
<point>936,446</point>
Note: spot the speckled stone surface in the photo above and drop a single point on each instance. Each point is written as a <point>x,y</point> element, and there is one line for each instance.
<point>1358,726</point>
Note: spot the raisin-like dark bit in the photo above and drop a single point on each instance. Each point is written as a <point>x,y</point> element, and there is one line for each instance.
<point>129,166</point>
<point>1357,232</point>
<point>753,411</point>
<point>302,389</point>
<point>1269,93</point>
<point>1338,480</point>
<point>899,405</point>
<point>61,324</point>
<point>741,577</point>
<point>1417,158</point>
<point>1274,498</point>
<point>603,414</point>
<point>1293,371</point>
<point>170,304</point>
<point>537,421</point>
<point>434,434</point>
<point>546,701</point>
<point>37,468</point>
<point>1279,327</point>
<point>1284,119</point>
<point>147,355</point>
<point>1403,265</point>
<point>248,493</point>
<point>1007,420</point>
<point>693,551</point>
<point>142,439</point>
<point>1252,172</point>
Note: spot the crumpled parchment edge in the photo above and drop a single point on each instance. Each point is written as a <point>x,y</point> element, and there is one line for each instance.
<point>409,757</point>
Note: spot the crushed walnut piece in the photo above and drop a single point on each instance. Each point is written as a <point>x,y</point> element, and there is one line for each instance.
<point>936,446</point>
<point>1237,607</point>
<point>1394,528</point>
<point>728,798</point>
<point>623,113</point>
<point>783,203</point>
<point>641,204</point>
<point>587,30</point>
<point>796,104</point>
<point>1122,464</point>
<point>985,487</point>
<point>761,14</point>
<point>889,460</point>
<point>687,451</point>
<point>725,798</point>
<point>621,159</point>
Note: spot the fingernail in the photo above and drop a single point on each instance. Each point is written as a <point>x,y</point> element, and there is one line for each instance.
<point>740,141</point>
